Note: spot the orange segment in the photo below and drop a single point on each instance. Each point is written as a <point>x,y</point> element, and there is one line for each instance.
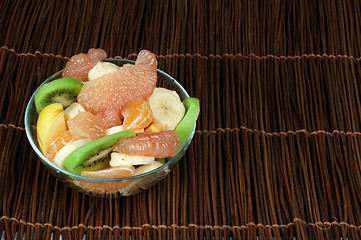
<point>109,172</point>
<point>60,142</point>
<point>137,115</point>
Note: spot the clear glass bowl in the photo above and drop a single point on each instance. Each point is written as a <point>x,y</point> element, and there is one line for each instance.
<point>106,187</point>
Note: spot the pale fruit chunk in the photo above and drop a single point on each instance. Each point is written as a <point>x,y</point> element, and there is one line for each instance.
<point>50,125</point>
<point>147,168</point>
<point>101,69</point>
<point>114,129</point>
<point>73,110</point>
<point>122,159</point>
<point>167,109</point>
<point>119,128</point>
<point>65,151</point>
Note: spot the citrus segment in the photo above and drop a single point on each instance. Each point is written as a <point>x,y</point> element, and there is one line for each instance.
<point>117,89</point>
<point>59,143</point>
<point>50,125</point>
<point>158,144</point>
<point>137,115</point>
<point>110,172</point>
<point>86,125</point>
<point>109,118</point>
<point>101,187</point>
<point>79,65</point>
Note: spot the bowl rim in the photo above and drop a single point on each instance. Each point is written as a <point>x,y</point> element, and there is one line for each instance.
<point>59,170</point>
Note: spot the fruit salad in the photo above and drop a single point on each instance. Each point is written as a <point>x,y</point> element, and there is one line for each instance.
<point>104,121</point>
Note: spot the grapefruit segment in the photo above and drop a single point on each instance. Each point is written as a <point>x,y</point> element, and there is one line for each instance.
<point>109,118</point>
<point>79,65</point>
<point>86,125</point>
<point>158,144</point>
<point>118,88</point>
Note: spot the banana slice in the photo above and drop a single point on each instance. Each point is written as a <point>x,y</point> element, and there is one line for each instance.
<point>65,151</point>
<point>167,108</point>
<point>147,168</point>
<point>100,69</point>
<point>73,110</point>
<point>119,128</point>
<point>122,159</point>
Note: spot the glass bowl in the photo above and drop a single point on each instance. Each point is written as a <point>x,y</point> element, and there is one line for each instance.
<point>106,187</point>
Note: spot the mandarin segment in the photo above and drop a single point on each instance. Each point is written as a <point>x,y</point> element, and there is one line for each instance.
<point>137,115</point>
<point>58,144</point>
<point>101,187</point>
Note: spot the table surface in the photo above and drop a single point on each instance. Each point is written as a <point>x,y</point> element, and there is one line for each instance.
<point>277,149</point>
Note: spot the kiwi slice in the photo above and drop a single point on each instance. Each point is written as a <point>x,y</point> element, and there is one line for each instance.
<point>63,91</point>
<point>94,152</point>
<point>100,164</point>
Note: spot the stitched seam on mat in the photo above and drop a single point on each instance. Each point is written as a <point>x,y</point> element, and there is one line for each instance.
<point>243,128</point>
<point>282,133</point>
<point>10,125</point>
<point>32,54</point>
<point>295,222</point>
<point>247,56</point>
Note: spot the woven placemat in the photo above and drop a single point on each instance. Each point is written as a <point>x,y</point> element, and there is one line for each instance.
<point>280,28</point>
<point>276,153</point>
<point>233,181</point>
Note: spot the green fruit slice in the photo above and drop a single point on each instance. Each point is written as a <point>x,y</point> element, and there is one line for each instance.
<point>103,163</point>
<point>63,91</point>
<point>188,123</point>
<point>94,151</point>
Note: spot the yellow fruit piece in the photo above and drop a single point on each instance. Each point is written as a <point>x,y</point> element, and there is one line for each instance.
<point>153,128</point>
<point>51,124</point>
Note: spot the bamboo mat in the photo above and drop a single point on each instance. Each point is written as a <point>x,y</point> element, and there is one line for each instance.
<point>277,149</point>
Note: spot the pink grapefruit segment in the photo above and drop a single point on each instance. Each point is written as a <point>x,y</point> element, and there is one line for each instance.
<point>158,144</point>
<point>109,118</point>
<point>79,65</point>
<point>86,125</point>
<point>117,89</point>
